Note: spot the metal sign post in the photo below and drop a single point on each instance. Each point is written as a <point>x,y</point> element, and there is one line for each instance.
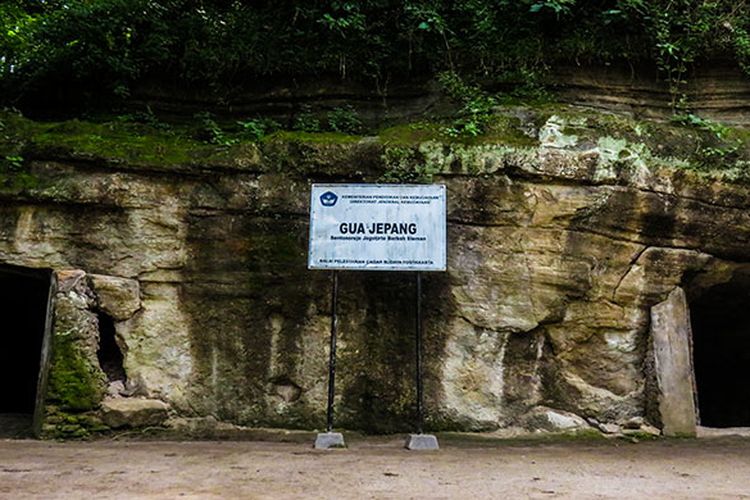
<point>332,355</point>
<point>418,350</point>
<point>420,440</point>
<point>330,439</point>
<point>377,227</point>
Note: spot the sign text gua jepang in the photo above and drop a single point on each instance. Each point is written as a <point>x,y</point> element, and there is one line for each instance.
<point>378,227</point>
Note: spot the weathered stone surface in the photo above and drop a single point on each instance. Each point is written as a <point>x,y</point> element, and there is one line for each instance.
<point>197,426</point>
<point>76,382</point>
<point>134,412</point>
<point>634,423</point>
<point>116,389</point>
<point>329,440</point>
<point>650,429</point>
<point>548,419</point>
<point>421,442</point>
<point>673,364</point>
<point>557,255</point>
<point>118,297</point>
<point>609,428</point>
<point>158,361</point>
<point>716,90</point>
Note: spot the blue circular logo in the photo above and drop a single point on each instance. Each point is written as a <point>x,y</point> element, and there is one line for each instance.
<point>328,199</point>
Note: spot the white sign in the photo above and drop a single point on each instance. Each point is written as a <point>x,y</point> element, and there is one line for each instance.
<point>377,227</point>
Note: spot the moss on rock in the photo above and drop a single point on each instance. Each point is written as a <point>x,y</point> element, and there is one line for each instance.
<point>686,142</point>
<point>60,424</point>
<point>74,385</point>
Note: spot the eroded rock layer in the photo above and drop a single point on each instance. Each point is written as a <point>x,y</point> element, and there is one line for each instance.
<point>556,254</point>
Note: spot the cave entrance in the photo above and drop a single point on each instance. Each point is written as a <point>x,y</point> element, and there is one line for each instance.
<point>25,309</point>
<point>109,353</point>
<point>720,318</point>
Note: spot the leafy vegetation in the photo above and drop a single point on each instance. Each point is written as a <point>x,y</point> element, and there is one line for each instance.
<point>87,50</point>
<point>306,121</point>
<point>256,129</point>
<point>720,147</point>
<point>476,106</point>
<point>344,120</point>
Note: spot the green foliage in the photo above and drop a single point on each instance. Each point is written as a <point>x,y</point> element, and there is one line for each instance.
<point>13,163</point>
<point>693,120</point>
<point>476,111</point>
<point>16,36</point>
<point>406,165</point>
<point>14,169</point>
<point>345,120</point>
<point>106,47</point>
<point>256,129</point>
<point>719,148</point>
<point>210,131</point>
<point>527,86</point>
<point>719,156</point>
<point>306,121</point>
<point>341,119</point>
<point>557,7</point>
<point>147,118</point>
<point>14,173</point>
<point>253,129</point>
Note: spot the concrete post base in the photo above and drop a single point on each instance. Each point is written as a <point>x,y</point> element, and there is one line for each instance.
<point>328,440</point>
<point>422,442</point>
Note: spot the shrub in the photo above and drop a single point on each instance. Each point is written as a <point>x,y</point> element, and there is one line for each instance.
<point>344,119</point>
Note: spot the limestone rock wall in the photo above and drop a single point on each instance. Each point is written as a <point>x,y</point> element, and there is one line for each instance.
<point>556,255</point>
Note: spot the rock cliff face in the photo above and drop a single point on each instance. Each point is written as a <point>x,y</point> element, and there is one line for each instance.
<point>718,91</point>
<point>557,252</point>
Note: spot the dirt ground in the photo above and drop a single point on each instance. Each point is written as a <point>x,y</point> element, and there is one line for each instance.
<point>376,468</point>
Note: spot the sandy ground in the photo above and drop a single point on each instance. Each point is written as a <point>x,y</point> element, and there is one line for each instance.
<point>376,468</point>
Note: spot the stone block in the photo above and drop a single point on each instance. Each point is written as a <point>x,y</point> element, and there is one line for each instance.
<point>549,419</point>
<point>328,440</point>
<point>673,363</point>
<point>118,297</point>
<point>420,442</point>
<point>133,412</point>
<point>610,428</point>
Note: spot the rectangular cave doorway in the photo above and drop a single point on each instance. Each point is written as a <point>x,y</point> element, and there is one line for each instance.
<point>26,308</point>
<point>720,320</point>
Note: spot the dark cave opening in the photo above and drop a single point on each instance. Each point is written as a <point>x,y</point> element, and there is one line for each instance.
<point>109,352</point>
<point>24,294</point>
<point>720,319</point>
